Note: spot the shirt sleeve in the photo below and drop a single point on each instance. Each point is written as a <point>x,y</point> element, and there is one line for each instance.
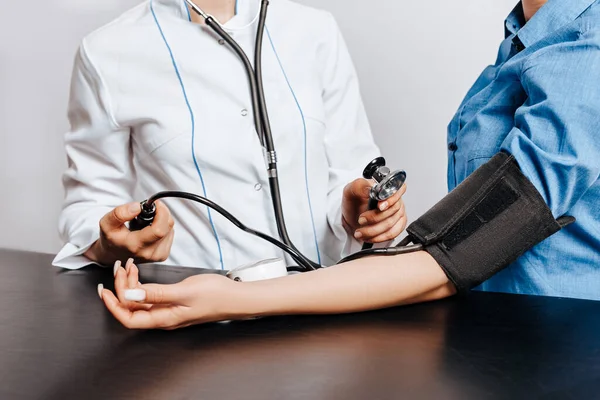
<point>99,175</point>
<point>556,135</point>
<point>348,140</point>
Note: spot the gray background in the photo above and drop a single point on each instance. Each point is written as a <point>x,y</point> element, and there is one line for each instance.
<point>415,59</point>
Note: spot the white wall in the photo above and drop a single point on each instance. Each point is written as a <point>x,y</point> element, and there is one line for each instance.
<point>414,70</point>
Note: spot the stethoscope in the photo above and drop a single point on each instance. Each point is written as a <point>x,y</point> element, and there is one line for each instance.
<point>387,183</point>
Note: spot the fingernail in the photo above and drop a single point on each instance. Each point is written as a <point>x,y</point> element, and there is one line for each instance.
<point>128,264</point>
<point>362,221</point>
<point>135,295</point>
<point>134,208</point>
<point>100,289</point>
<point>383,206</point>
<point>116,268</point>
<point>358,235</point>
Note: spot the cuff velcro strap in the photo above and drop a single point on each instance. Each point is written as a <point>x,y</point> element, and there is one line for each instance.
<point>485,223</point>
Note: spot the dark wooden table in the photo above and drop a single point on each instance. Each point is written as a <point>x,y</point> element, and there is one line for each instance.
<point>58,342</point>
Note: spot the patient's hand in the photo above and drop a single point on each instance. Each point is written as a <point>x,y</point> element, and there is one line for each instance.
<point>375,226</point>
<point>198,299</point>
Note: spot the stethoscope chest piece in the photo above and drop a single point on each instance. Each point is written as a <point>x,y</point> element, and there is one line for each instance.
<point>258,271</point>
<point>388,183</point>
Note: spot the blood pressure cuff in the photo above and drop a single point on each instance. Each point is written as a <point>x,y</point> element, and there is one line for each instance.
<point>485,223</point>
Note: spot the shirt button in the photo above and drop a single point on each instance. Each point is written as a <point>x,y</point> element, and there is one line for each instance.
<point>258,187</point>
<point>244,112</point>
<point>518,45</point>
<point>452,146</point>
<point>221,42</point>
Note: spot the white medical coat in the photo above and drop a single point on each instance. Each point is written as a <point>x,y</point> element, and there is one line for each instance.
<point>131,131</point>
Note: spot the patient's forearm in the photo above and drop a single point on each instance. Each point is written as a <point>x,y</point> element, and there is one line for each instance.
<point>366,284</point>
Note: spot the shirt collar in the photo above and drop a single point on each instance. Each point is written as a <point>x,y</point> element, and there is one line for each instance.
<point>246,12</point>
<point>514,21</point>
<point>551,17</point>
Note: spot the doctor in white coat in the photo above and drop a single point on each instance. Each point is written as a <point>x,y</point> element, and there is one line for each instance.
<point>159,102</point>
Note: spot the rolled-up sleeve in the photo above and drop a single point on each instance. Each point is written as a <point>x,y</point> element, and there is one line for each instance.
<point>556,137</point>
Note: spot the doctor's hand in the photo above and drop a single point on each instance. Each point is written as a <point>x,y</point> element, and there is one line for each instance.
<point>195,300</point>
<point>385,223</point>
<point>117,242</point>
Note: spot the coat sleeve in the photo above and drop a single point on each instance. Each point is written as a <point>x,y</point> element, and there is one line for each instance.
<point>100,175</point>
<point>348,140</point>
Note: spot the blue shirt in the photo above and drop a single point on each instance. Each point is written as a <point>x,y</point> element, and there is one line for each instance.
<point>541,103</point>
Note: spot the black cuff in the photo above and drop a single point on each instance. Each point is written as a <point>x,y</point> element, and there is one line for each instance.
<point>485,223</point>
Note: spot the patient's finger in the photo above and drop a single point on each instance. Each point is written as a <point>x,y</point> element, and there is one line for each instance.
<point>156,318</point>
<point>132,274</point>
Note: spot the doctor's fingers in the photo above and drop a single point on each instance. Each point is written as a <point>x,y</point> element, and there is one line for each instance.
<point>385,204</point>
<point>392,233</point>
<point>157,252</point>
<point>116,218</point>
<point>372,217</point>
<point>359,188</point>
<point>388,228</point>
<point>161,226</point>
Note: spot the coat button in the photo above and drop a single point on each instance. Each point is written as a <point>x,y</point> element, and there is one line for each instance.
<point>221,42</point>
<point>258,187</point>
<point>452,146</point>
<point>244,112</point>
